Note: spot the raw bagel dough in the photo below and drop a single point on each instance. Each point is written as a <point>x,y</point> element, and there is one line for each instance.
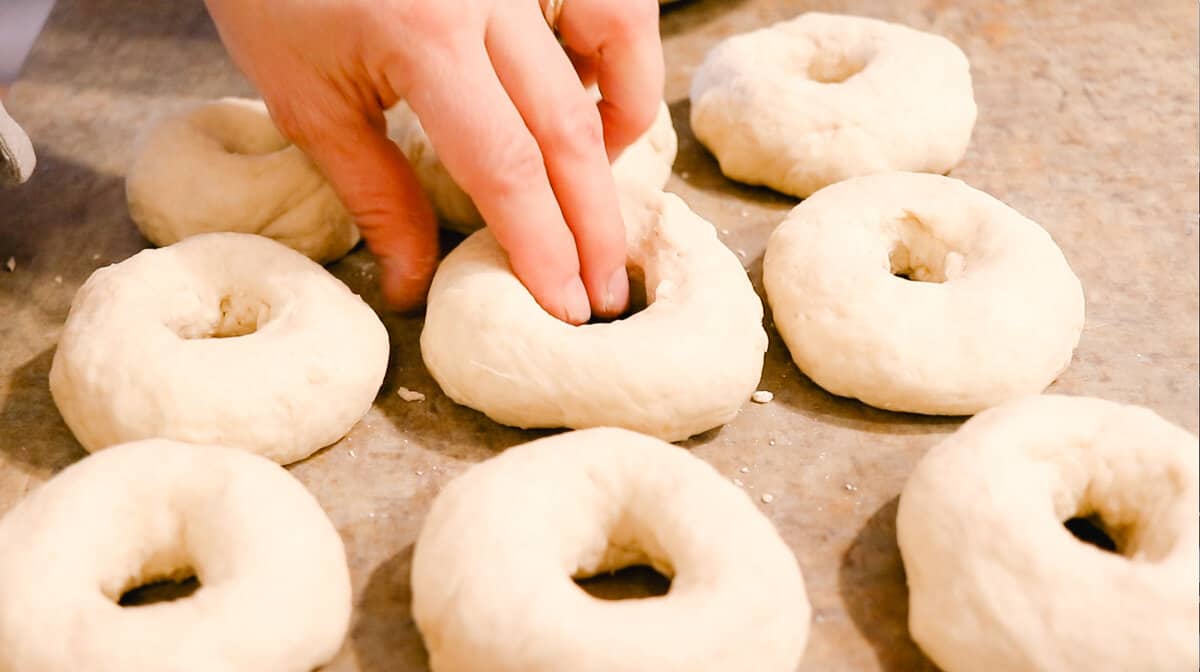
<point>821,98</point>
<point>17,159</point>
<point>646,162</point>
<point>224,338</point>
<point>275,589</point>
<point>491,572</point>
<point>995,580</point>
<point>682,366</point>
<point>993,311</point>
<point>223,166</point>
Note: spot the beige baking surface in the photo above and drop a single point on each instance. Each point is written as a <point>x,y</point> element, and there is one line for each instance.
<point>1088,124</point>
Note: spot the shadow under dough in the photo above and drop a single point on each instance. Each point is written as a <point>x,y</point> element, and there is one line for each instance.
<point>32,433</point>
<point>872,585</point>
<point>384,635</point>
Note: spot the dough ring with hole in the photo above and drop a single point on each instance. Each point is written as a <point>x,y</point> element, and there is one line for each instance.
<point>223,166</point>
<point>684,365</point>
<point>492,573</point>
<point>821,98</point>
<point>274,587</point>
<point>992,312</point>
<point>645,163</point>
<point>996,582</point>
<point>223,338</point>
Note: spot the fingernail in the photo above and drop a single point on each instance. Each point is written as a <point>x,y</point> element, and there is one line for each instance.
<point>575,301</point>
<point>616,293</point>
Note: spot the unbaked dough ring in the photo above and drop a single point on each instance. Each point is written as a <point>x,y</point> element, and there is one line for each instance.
<point>821,98</point>
<point>222,338</point>
<point>993,311</point>
<point>17,158</point>
<point>491,573</point>
<point>645,163</point>
<point>274,593</point>
<point>223,166</point>
<point>682,366</point>
<point>995,580</point>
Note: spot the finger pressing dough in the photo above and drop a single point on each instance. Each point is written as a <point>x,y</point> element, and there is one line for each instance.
<point>645,163</point>
<point>223,166</point>
<point>818,99</point>
<point>223,338</point>
<point>492,572</point>
<point>997,582</point>
<point>274,587</point>
<point>915,292</point>
<point>685,364</point>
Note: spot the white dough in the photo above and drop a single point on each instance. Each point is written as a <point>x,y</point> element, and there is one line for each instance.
<point>645,163</point>
<point>818,99</point>
<point>223,338</point>
<point>223,166</point>
<point>685,364</point>
<point>993,311</point>
<point>995,580</point>
<point>493,566</point>
<point>274,593</point>
<point>17,158</point>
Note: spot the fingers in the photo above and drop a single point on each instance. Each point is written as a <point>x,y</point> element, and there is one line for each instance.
<point>585,66</point>
<point>377,186</point>
<point>486,147</point>
<point>623,40</point>
<point>563,119</point>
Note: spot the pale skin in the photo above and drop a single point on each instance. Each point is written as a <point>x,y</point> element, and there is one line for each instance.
<point>504,105</point>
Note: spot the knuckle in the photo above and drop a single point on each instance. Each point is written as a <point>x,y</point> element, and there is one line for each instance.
<point>435,18</point>
<point>576,129</point>
<point>514,166</point>
<point>634,18</point>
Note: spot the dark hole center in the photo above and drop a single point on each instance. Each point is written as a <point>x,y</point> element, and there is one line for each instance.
<point>1090,530</point>
<point>629,583</point>
<point>159,591</point>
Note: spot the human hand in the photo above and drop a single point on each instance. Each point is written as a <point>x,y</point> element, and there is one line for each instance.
<point>501,103</point>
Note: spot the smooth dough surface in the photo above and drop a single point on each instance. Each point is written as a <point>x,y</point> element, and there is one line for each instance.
<point>996,582</point>
<point>992,312</point>
<point>274,593</point>
<point>645,163</point>
<point>492,572</point>
<point>222,338</point>
<point>683,365</point>
<point>821,98</point>
<point>223,166</point>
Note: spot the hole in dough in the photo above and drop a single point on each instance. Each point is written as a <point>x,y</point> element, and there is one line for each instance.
<point>156,592</point>
<point>828,67</point>
<point>637,297</point>
<point>628,583</point>
<point>164,577</point>
<point>920,257</point>
<point>243,134</point>
<point>630,566</point>
<point>1091,530</point>
<point>252,146</point>
<point>239,316</point>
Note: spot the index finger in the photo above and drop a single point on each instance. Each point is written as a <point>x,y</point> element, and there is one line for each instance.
<point>487,148</point>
